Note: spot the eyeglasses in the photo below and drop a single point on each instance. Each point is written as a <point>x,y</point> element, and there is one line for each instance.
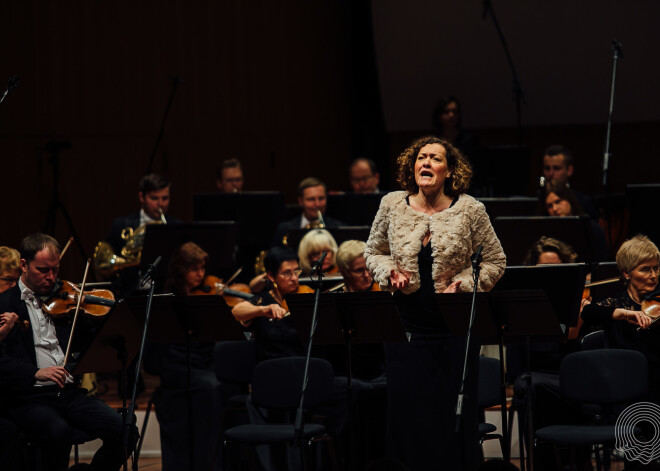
<point>8,279</point>
<point>291,273</point>
<point>649,271</point>
<point>359,271</point>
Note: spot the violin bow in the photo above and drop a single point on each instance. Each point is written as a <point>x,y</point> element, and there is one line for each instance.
<point>75,315</point>
<point>66,247</point>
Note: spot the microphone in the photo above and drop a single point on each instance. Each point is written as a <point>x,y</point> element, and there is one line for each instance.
<point>476,257</point>
<point>318,265</point>
<point>150,271</point>
<point>618,48</point>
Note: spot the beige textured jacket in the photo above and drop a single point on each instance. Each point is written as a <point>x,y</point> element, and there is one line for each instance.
<point>396,239</point>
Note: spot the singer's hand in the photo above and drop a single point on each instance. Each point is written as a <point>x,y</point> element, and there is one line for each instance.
<point>7,321</point>
<point>399,280</point>
<point>57,374</point>
<point>454,287</point>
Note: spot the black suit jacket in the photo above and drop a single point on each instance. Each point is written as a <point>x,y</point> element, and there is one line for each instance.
<point>283,228</point>
<point>18,358</point>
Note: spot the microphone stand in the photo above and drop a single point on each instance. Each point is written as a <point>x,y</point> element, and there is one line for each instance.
<point>616,47</point>
<point>476,269</point>
<point>298,424</point>
<point>128,419</point>
<point>517,89</point>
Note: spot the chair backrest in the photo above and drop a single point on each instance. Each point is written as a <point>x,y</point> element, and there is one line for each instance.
<point>234,361</point>
<point>594,340</point>
<point>607,376</point>
<point>490,382</point>
<point>277,383</point>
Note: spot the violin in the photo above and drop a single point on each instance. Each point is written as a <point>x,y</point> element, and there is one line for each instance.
<point>234,294</point>
<point>64,295</point>
<point>301,290</point>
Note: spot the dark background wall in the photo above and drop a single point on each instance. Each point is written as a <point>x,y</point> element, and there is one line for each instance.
<point>295,89</point>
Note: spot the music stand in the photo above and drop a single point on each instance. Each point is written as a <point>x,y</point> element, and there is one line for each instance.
<point>518,234</point>
<point>563,284</point>
<point>187,319</point>
<point>354,209</point>
<point>114,346</point>
<point>340,234</point>
<point>605,271</point>
<point>239,207</point>
<point>345,319</point>
<point>218,239</point>
<point>510,206</point>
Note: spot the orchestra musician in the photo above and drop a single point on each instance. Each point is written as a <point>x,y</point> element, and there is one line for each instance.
<point>363,176</point>
<point>273,331</point>
<point>312,197</point>
<point>311,248</point>
<point>230,176</point>
<point>9,268</point>
<point>638,261</point>
<point>557,199</point>
<point>421,243</point>
<point>353,267</point>
<point>186,272</point>
<point>154,196</point>
<point>46,404</point>
<point>9,274</point>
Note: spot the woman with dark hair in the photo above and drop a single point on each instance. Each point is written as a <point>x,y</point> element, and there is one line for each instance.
<point>273,330</point>
<point>186,271</point>
<point>447,124</point>
<point>421,243</point>
<point>557,199</point>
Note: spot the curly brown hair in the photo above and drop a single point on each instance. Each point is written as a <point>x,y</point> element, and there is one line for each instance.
<point>461,170</point>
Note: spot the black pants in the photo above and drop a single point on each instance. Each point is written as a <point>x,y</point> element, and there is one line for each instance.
<point>49,420</point>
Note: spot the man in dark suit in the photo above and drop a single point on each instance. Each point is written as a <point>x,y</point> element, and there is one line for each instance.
<point>312,197</point>
<point>46,404</point>
<point>154,195</point>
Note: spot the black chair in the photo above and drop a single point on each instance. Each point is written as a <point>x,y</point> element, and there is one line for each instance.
<point>594,341</point>
<point>234,362</point>
<point>32,450</point>
<point>276,385</point>
<point>609,378</point>
<point>490,383</point>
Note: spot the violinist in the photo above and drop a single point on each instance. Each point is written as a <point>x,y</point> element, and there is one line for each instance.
<point>311,248</point>
<point>46,404</point>
<point>625,325</point>
<point>186,273</point>
<point>276,336</point>
<point>353,267</point>
<point>9,273</point>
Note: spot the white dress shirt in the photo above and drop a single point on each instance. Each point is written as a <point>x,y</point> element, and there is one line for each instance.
<point>46,345</point>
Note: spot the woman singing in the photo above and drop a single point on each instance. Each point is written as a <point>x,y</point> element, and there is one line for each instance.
<point>420,244</point>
